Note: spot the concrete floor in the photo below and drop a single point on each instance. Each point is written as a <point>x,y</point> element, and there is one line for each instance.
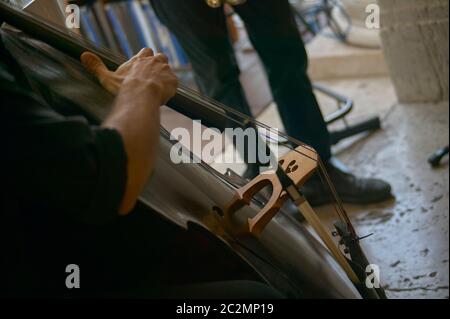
<point>411,232</point>
<point>411,239</point>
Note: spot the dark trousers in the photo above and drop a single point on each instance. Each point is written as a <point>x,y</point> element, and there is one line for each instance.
<point>203,33</point>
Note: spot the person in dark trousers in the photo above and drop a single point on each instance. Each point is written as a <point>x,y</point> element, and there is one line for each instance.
<point>69,188</point>
<point>203,33</point>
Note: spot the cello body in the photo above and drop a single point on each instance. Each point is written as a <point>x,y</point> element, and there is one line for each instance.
<point>286,256</point>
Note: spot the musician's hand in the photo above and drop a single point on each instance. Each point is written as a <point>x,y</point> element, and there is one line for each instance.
<point>141,86</point>
<point>144,73</point>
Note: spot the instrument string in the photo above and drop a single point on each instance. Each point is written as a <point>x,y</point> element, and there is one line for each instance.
<point>226,112</point>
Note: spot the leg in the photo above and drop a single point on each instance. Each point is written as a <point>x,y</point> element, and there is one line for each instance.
<point>274,34</point>
<point>203,33</point>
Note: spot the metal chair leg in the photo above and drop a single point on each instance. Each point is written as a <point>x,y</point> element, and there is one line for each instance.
<point>436,159</point>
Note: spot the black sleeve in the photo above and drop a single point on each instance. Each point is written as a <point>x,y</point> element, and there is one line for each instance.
<point>59,163</point>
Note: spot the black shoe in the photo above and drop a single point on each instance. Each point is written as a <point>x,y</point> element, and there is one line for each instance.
<point>351,189</point>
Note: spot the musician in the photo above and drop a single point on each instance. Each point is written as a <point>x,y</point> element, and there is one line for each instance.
<point>202,31</point>
<point>68,188</point>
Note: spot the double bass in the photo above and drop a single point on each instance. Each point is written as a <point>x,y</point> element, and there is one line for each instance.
<point>254,232</point>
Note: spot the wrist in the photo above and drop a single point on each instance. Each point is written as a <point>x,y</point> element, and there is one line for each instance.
<point>147,91</point>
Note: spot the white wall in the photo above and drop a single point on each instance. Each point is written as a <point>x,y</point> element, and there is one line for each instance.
<point>415,39</point>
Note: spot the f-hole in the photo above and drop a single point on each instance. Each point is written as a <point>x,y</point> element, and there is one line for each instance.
<point>292,167</point>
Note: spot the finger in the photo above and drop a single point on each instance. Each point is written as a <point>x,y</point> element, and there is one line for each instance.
<point>93,64</point>
<point>161,58</point>
<point>146,52</point>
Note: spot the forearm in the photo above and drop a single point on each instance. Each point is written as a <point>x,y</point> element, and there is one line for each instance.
<point>141,85</point>
<point>136,116</point>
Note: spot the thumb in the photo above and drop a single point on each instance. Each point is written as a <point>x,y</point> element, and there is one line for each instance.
<point>93,64</point>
